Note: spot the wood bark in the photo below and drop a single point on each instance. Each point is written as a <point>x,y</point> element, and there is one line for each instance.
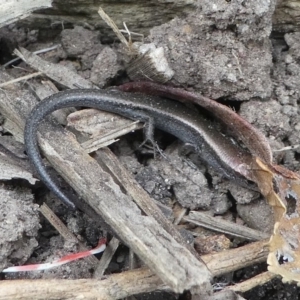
<point>14,10</point>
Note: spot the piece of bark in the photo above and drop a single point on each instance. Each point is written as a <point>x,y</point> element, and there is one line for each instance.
<point>47,88</point>
<point>56,72</point>
<point>14,168</point>
<point>11,107</point>
<point>14,10</point>
<point>105,128</point>
<point>141,233</point>
<point>127,283</point>
<point>97,123</point>
<point>175,265</point>
<point>12,147</point>
<point>13,161</point>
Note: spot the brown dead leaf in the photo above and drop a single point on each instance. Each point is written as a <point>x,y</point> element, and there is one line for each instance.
<point>281,188</point>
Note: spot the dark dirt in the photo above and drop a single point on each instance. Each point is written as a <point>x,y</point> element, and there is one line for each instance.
<point>225,51</point>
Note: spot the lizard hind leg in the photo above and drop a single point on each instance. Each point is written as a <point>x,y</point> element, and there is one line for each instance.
<point>149,137</point>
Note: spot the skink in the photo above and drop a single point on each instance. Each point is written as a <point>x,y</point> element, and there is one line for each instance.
<point>173,117</point>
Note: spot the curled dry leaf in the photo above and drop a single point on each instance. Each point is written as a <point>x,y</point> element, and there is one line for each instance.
<point>281,188</point>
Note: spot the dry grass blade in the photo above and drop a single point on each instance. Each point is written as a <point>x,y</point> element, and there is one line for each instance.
<point>113,26</point>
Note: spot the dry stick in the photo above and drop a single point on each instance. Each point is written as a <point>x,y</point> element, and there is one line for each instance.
<point>175,265</point>
<point>116,286</point>
<point>132,260</point>
<point>58,224</point>
<point>216,224</point>
<point>287,148</point>
<point>106,257</point>
<point>130,282</point>
<point>140,196</point>
<point>20,79</point>
<point>252,282</point>
<point>228,261</point>
<point>64,231</point>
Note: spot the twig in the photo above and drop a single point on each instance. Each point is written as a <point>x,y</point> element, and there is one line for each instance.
<point>64,231</point>
<point>252,282</point>
<point>106,257</point>
<point>231,260</point>
<point>116,286</point>
<point>35,52</point>
<point>216,224</point>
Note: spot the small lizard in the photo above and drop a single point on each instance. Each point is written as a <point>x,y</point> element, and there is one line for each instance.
<point>173,117</point>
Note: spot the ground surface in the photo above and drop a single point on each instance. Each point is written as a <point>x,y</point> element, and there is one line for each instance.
<point>209,53</point>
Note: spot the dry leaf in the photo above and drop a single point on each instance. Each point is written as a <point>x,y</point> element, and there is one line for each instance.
<point>281,188</point>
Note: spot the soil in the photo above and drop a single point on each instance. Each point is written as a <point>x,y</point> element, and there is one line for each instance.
<point>242,65</point>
